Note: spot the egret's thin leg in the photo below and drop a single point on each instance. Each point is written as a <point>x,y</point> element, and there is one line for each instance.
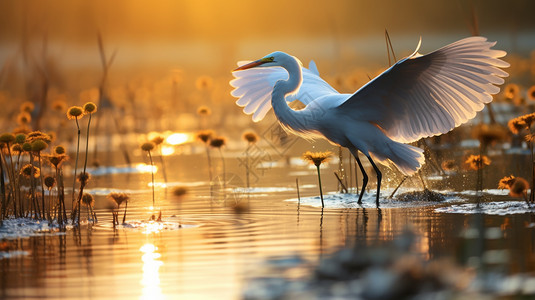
<point>379,177</point>
<point>364,176</point>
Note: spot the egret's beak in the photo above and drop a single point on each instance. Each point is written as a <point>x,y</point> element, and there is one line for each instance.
<point>253,64</point>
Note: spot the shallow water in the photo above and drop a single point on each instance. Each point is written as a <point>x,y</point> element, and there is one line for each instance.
<point>209,249</point>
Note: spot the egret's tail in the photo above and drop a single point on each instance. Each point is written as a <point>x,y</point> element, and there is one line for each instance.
<point>408,159</point>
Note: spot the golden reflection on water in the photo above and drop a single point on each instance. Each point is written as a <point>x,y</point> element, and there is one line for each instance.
<point>151,272</point>
<point>144,168</point>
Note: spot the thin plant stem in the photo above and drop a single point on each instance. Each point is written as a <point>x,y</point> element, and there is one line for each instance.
<point>75,168</point>
<point>125,207</point>
<point>42,188</point>
<point>209,163</point>
<point>87,142</point>
<point>321,191</point>
<point>247,165</point>
<point>152,173</point>
<point>224,170</point>
<point>163,166</point>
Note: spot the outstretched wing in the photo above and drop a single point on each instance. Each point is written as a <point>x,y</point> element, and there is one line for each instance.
<point>427,95</point>
<point>253,88</point>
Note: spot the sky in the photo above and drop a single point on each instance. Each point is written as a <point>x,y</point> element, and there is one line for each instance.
<point>209,36</point>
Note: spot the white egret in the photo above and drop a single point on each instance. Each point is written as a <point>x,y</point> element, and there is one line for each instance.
<point>419,96</point>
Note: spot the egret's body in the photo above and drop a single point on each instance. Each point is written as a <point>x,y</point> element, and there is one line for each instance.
<point>419,96</point>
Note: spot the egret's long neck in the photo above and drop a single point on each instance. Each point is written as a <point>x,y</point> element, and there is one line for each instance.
<point>286,115</point>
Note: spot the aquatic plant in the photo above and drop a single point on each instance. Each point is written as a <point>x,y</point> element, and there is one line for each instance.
<point>530,94</point>
<point>180,191</point>
<point>204,113</point>
<point>317,158</point>
<point>89,202</point>
<point>74,113</point>
<point>118,199</point>
<point>251,138</point>
<point>38,145</point>
<point>89,109</point>
<point>218,143</point>
<point>157,141</point>
<point>204,136</point>
<point>512,93</point>
<point>477,162</point>
<point>56,159</point>
<point>517,126</point>
<point>83,178</point>
<point>517,186</point>
<point>149,146</point>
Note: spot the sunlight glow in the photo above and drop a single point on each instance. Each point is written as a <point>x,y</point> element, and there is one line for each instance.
<point>177,138</point>
<point>151,274</point>
<point>167,150</point>
<point>144,168</point>
<point>158,184</point>
<point>152,227</point>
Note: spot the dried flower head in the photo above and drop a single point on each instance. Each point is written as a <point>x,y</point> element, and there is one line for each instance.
<point>59,149</point>
<point>20,138</point>
<point>157,140</point>
<point>59,105</point>
<point>205,135</point>
<point>448,165</point>
<point>516,125</point>
<point>38,145</point>
<point>506,182</point>
<point>489,134</point>
<point>148,146</point>
<point>88,200</point>
<point>83,178</point>
<point>528,119</point>
<point>476,162</point>
<point>218,142</point>
<point>74,112</point>
<point>16,148</point>
<point>27,107</point>
<point>50,182</point>
<point>7,138</point>
<point>56,159</point>
<point>90,108</point>
<point>317,158</point>
<point>38,135</point>
<point>519,187</point>
<point>204,83</point>
<point>531,93</point>
<point>530,137</point>
<point>24,118</point>
<point>204,110</point>
<point>27,147</point>
<point>118,198</point>
<point>27,170</point>
<point>250,137</point>
<point>511,91</point>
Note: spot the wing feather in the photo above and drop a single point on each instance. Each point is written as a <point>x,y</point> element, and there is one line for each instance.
<point>426,95</point>
<point>253,88</point>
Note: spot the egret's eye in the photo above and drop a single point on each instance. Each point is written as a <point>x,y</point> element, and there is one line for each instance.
<point>269,59</point>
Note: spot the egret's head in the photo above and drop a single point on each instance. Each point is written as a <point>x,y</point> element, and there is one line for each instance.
<point>271,60</point>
